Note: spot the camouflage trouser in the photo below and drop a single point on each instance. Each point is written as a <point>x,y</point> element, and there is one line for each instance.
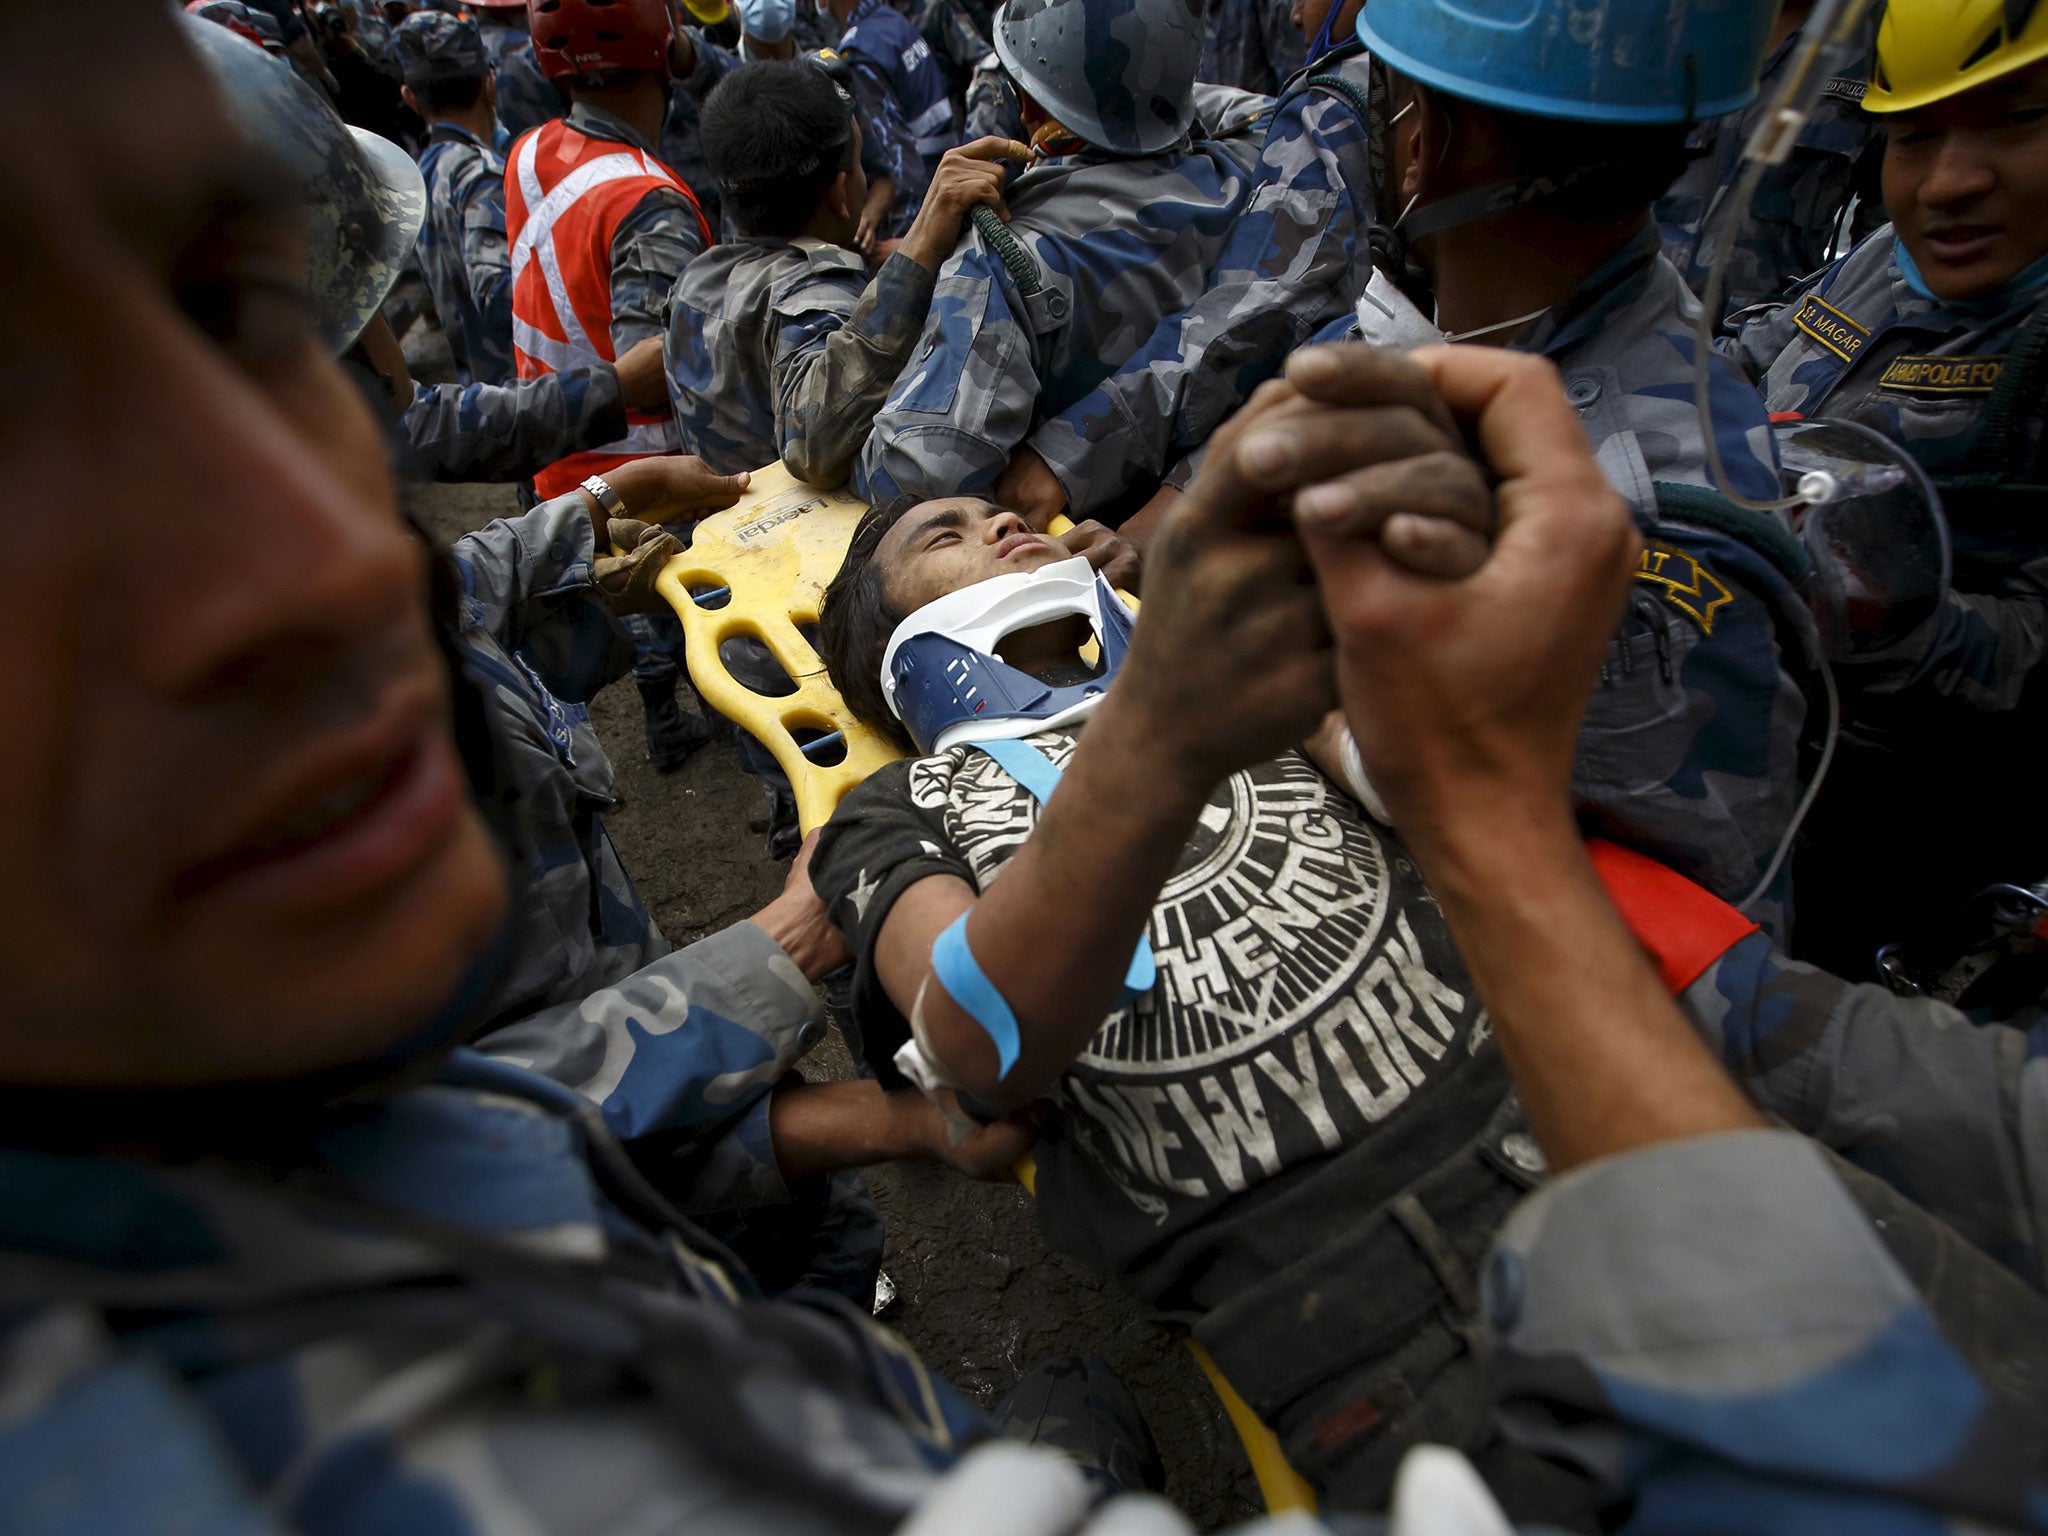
<point>657,645</point>
<point>1078,1405</point>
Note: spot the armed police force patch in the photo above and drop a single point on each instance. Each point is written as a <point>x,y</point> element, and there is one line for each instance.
<point>1942,375</point>
<point>1683,582</point>
<point>1830,327</point>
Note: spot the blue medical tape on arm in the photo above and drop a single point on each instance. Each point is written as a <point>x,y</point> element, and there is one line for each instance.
<point>1040,776</point>
<point>968,985</point>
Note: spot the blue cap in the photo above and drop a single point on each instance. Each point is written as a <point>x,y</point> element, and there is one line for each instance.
<point>1627,61</point>
<point>767,21</point>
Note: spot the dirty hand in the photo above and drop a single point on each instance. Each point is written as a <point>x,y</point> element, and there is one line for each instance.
<point>1231,661</point>
<point>1109,553</point>
<point>626,580</point>
<point>969,175</point>
<point>1465,695</point>
<point>1431,511</point>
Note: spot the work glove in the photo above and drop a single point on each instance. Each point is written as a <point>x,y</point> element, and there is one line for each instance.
<point>626,578</point>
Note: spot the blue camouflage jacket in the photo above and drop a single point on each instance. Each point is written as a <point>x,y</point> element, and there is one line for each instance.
<point>1114,245</point>
<point>453,1309</point>
<point>1799,205</point>
<point>507,432</point>
<point>783,349</point>
<point>1691,747</point>
<point>1295,261</point>
<point>591,995</point>
<point>1856,343</point>
<point>880,39</point>
<point>463,251</point>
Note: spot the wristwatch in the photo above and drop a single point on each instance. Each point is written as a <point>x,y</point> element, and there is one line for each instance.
<point>614,505</point>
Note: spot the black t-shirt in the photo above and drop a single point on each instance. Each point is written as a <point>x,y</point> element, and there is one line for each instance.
<point>1312,1044</point>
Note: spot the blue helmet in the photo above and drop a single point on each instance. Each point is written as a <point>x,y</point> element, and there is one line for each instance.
<point>1626,61</point>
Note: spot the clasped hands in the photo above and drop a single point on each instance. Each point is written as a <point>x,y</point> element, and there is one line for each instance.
<point>1422,540</point>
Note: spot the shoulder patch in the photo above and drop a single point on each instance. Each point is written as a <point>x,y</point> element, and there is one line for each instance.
<point>1830,327</point>
<point>1683,581</point>
<point>1847,88</point>
<point>1942,375</point>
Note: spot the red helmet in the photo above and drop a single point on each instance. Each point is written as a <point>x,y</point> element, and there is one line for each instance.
<point>571,37</point>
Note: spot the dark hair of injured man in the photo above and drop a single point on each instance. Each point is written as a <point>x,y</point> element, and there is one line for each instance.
<point>777,134</point>
<point>910,551</point>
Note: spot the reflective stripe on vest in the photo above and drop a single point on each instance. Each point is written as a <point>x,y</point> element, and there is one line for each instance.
<point>933,120</point>
<point>551,334</point>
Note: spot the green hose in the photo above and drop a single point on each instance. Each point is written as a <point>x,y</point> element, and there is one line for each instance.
<point>1009,249</point>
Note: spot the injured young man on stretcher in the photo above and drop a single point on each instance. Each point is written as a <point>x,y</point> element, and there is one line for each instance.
<point>1282,1121</point>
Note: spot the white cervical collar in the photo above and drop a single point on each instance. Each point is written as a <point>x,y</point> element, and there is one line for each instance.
<point>980,616</point>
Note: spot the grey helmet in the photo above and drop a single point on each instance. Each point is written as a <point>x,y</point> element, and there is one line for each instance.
<point>1118,73</point>
<point>365,200</point>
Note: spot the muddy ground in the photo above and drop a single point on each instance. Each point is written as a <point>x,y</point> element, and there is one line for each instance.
<point>978,1293</point>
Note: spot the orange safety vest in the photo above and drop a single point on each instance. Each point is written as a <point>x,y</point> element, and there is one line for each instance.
<point>566,194</point>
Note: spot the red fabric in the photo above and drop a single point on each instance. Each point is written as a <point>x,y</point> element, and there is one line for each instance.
<point>580,236</point>
<point>1684,927</point>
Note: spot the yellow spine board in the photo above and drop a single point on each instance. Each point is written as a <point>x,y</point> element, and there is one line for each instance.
<point>775,552</point>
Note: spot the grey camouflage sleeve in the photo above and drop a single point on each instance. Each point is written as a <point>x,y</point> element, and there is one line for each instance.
<point>509,560</point>
<point>1682,1317</point>
<point>692,1044</point>
<point>1986,646</point>
<point>1760,333</point>
<point>650,248</point>
<point>1295,261</point>
<point>501,432</point>
<point>1951,1113</point>
<point>970,393</point>
<point>488,258</point>
<point>831,378</point>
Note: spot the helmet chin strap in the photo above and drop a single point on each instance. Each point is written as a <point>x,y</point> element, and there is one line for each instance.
<point>1490,201</point>
<point>944,680</point>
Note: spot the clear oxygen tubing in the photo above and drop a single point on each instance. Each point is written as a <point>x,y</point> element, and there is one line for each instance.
<point>1820,777</point>
<point>1827,42</point>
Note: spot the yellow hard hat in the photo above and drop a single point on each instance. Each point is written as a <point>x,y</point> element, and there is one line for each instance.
<point>1930,50</point>
<point>710,12</point>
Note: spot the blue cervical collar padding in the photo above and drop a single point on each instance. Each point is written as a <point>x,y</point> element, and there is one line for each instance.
<point>940,682</point>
